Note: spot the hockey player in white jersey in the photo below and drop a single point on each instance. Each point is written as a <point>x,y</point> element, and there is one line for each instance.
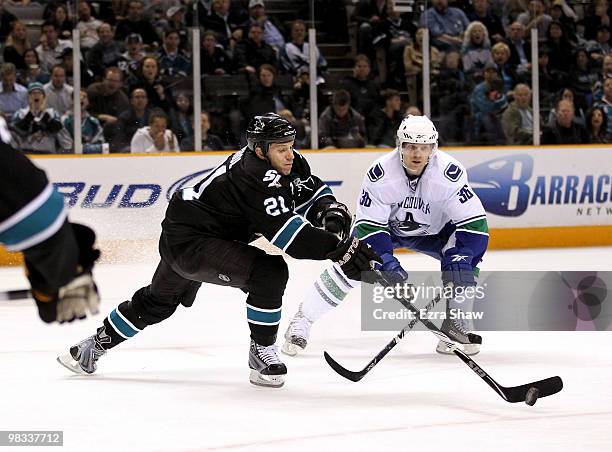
<point>414,197</point>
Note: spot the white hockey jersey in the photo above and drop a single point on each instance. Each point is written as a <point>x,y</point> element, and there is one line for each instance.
<point>392,204</point>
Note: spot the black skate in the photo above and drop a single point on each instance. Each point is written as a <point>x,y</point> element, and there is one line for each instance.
<point>83,356</point>
<point>266,367</point>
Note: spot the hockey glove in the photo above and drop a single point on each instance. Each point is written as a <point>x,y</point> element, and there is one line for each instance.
<point>355,257</point>
<point>394,273</point>
<point>336,218</point>
<point>457,268</point>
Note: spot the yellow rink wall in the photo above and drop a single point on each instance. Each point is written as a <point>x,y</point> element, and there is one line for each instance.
<point>547,196</point>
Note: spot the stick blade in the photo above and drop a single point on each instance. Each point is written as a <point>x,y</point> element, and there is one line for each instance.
<point>546,387</point>
<point>348,374</point>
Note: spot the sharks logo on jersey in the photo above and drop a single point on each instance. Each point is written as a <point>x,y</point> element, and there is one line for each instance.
<point>376,172</point>
<point>453,172</point>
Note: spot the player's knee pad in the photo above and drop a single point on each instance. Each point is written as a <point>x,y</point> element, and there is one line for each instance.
<point>150,308</point>
<point>269,277</point>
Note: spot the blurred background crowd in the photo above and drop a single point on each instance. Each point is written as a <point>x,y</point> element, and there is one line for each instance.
<point>137,71</point>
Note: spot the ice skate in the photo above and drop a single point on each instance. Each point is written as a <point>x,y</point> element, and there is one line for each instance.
<point>266,367</point>
<point>459,329</point>
<point>296,336</point>
<point>82,357</point>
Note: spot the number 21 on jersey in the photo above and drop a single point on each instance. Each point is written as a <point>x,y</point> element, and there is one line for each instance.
<point>275,205</point>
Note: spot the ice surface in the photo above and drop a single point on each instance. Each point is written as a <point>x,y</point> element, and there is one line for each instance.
<point>183,385</point>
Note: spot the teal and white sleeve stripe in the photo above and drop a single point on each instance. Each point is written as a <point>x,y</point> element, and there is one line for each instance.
<point>288,231</point>
<point>34,223</point>
<point>261,316</point>
<point>303,208</point>
<point>122,325</point>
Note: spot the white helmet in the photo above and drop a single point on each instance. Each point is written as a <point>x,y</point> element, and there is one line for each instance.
<point>418,130</point>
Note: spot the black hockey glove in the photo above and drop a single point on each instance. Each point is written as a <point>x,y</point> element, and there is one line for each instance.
<point>336,218</point>
<point>355,257</point>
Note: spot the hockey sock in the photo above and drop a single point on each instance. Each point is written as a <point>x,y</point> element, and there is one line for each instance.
<point>122,323</point>
<point>327,292</point>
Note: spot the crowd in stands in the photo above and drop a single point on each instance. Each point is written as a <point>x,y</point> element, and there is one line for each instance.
<point>137,58</point>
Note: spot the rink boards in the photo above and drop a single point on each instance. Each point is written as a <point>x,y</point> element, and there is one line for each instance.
<point>548,196</point>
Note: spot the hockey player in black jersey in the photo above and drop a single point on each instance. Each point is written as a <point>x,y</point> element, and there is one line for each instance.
<point>266,189</point>
<point>58,254</point>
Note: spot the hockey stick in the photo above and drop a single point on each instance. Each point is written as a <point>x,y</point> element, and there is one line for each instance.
<point>20,294</point>
<point>356,376</point>
<point>528,393</point>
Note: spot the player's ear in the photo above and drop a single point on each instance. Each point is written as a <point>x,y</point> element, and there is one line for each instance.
<point>259,153</point>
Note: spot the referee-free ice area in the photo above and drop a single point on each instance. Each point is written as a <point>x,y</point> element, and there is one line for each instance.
<point>183,385</point>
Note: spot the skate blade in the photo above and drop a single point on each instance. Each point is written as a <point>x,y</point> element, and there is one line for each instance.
<point>444,348</point>
<point>69,363</point>
<point>270,381</point>
<point>290,349</point>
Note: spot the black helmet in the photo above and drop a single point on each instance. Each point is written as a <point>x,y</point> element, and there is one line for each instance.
<point>268,128</point>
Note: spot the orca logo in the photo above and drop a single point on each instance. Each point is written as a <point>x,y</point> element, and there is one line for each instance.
<point>501,184</point>
<point>184,182</point>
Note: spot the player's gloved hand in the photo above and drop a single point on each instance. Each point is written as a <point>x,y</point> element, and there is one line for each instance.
<point>392,269</point>
<point>336,218</point>
<point>355,257</point>
<point>457,268</point>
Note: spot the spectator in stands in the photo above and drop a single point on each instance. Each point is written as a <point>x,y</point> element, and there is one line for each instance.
<point>37,127</point>
<point>210,142</point>
<point>135,23</point>
<point>517,119</point>
<point>452,92</point>
<point>300,100</point>
<point>568,93</point>
<point>383,123</point>
<point>295,55</point>
<point>254,51</point>
<point>271,32</point>
<point>33,72</point>
<point>563,13</point>
<point>476,51</point>
<point>107,99</point>
<point>561,50</point>
<point>413,65</point>
<point>606,71</point>
<point>87,26</point>
<point>176,22</point>
<point>87,75</point>
<point>536,16</point>
<point>181,118</point>
<point>62,18</point>
<point>483,13</point>
<point>16,44</point>
<point>597,126</point>
<point>520,49</point>
<point>13,96</point>
<point>501,57</point>
<point>106,53</point>
<point>130,120</point>
<point>488,102</point>
<point>50,48</point>
<point>214,59</point>
<point>600,47</point>
<point>606,102</point>
<point>446,25</point>
<point>364,92</point>
<point>226,22</point>
<point>173,62</point>
<point>147,76</point>
<point>582,77</point>
<point>340,126</point>
<point>548,81</point>
<point>596,16</point>
<point>92,134</point>
<point>564,130</point>
<point>368,15</point>
<point>265,95</point>
<point>302,140</point>
<point>156,137</point>
<point>58,92</point>
<point>6,19</point>
<point>133,55</point>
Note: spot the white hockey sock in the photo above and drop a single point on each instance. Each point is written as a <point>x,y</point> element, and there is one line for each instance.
<point>329,289</point>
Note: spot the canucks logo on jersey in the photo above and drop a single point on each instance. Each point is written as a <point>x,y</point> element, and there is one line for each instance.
<point>407,225</point>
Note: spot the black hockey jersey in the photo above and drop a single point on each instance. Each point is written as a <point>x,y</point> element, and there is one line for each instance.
<point>245,197</point>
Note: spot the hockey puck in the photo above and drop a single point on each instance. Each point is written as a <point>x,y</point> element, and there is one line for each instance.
<point>532,396</point>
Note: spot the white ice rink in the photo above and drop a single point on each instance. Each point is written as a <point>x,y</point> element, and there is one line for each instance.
<point>183,385</point>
